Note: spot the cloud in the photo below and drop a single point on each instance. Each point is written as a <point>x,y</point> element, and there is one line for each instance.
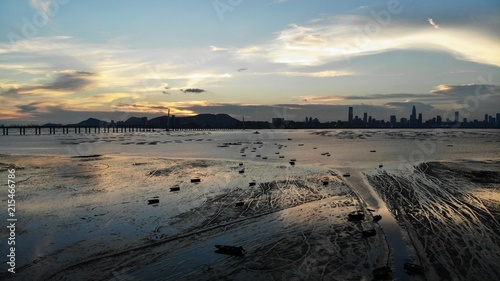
<point>372,97</point>
<point>71,81</point>
<point>345,37</point>
<point>218,49</point>
<point>322,99</point>
<point>28,107</point>
<point>440,94</point>
<point>42,7</point>
<point>176,108</point>
<point>117,65</point>
<point>64,82</point>
<point>107,98</point>
<point>431,21</point>
<point>467,90</point>
<point>319,74</point>
<point>193,90</point>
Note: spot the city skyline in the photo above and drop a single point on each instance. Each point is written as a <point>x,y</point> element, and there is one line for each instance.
<point>71,60</point>
<point>414,120</point>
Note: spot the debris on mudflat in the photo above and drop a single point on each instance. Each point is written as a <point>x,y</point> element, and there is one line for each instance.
<point>346,175</point>
<point>377,217</point>
<point>369,233</point>
<point>230,250</point>
<point>413,268</point>
<point>356,216</point>
<point>153,201</point>
<point>325,180</point>
<point>381,272</point>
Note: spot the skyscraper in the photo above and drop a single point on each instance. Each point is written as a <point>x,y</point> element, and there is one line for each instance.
<point>393,120</point>
<point>350,115</point>
<point>413,117</point>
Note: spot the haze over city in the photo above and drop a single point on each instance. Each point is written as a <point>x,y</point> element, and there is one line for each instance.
<point>64,61</point>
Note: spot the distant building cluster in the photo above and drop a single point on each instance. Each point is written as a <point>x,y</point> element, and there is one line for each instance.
<point>224,121</point>
<point>413,121</point>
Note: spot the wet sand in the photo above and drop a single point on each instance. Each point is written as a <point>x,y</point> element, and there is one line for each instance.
<point>88,218</point>
<point>450,211</point>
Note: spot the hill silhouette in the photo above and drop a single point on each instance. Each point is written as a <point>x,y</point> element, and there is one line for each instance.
<point>197,121</point>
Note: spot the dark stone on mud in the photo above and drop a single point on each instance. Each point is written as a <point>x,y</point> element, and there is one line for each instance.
<point>358,216</point>
<point>153,201</point>
<point>381,272</point>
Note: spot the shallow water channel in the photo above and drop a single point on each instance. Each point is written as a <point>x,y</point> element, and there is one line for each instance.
<point>388,223</point>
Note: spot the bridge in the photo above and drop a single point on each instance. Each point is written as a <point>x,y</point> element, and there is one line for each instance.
<point>52,130</point>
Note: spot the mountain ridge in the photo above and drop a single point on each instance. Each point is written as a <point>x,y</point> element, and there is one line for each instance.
<point>204,120</point>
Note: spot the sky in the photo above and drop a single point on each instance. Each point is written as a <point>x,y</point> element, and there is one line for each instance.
<point>63,61</point>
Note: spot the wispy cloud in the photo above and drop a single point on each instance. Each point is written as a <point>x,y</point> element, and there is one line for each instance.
<point>64,82</point>
<point>119,67</point>
<point>345,37</point>
<point>440,94</point>
<point>318,74</point>
<point>467,90</point>
<point>41,6</point>
<point>218,49</point>
<point>431,21</point>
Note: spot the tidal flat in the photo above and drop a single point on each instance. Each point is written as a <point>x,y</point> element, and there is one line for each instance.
<point>152,206</point>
